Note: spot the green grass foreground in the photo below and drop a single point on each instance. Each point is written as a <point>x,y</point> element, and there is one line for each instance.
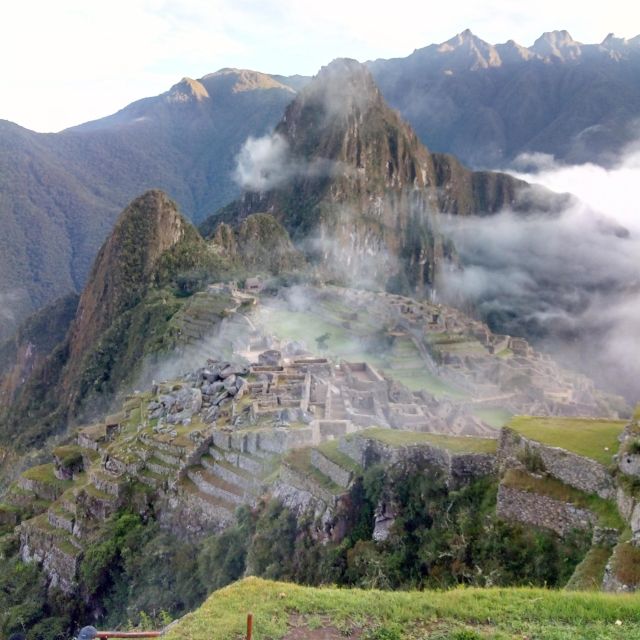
<point>460,613</point>
<point>588,437</point>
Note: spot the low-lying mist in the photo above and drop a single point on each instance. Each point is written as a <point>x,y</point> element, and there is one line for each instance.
<point>570,279</point>
<point>267,163</point>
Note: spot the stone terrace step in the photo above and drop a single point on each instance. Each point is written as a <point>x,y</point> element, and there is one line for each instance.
<point>256,465</point>
<point>217,487</point>
<point>151,478</point>
<point>230,473</point>
<point>106,482</point>
<point>60,518</point>
<point>188,486</point>
<point>171,452</point>
<point>160,467</point>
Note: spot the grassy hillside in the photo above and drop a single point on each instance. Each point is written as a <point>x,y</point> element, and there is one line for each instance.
<point>283,610</point>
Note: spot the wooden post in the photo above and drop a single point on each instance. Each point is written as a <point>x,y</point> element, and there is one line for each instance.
<point>249,626</point>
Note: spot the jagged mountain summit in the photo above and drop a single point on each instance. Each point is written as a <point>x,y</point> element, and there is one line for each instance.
<point>489,103</point>
<point>466,51</point>
<point>352,182</point>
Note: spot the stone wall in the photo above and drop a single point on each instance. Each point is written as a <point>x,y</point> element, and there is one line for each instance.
<point>541,511</point>
<point>612,581</point>
<point>58,562</point>
<point>466,467</point>
<point>576,471</point>
<point>341,477</point>
<point>192,516</point>
<point>459,468</point>
<point>44,490</point>
<point>629,508</point>
<point>302,495</point>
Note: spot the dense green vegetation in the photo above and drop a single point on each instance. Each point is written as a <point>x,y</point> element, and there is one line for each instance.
<point>141,574</point>
<point>441,538</point>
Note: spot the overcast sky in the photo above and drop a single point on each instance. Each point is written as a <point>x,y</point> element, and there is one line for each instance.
<point>68,61</point>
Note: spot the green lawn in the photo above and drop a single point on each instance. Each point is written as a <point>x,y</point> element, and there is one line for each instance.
<point>459,614</point>
<point>589,437</point>
<point>496,418</point>
<point>418,379</point>
<point>306,327</point>
<point>455,444</point>
<point>44,475</point>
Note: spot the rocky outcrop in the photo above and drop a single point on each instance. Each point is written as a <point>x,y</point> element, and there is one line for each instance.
<point>259,244</point>
<point>147,228</point>
<point>305,497</point>
<point>53,550</point>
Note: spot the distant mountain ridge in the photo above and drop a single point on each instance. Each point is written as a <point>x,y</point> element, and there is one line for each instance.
<point>60,193</point>
<point>489,103</point>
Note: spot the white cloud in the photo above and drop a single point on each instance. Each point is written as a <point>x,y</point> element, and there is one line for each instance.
<point>263,163</point>
<point>570,278</point>
<point>73,60</point>
<point>606,190</point>
<point>266,163</point>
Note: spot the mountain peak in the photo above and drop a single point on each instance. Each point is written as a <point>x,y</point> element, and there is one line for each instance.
<point>344,70</point>
<point>619,45</point>
<point>469,52</point>
<point>511,51</point>
<point>464,39</point>
<point>187,90</point>
<point>246,80</point>
<point>558,44</point>
<point>339,88</point>
<point>149,226</point>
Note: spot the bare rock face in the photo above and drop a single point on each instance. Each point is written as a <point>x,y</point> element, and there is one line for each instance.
<point>384,519</point>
